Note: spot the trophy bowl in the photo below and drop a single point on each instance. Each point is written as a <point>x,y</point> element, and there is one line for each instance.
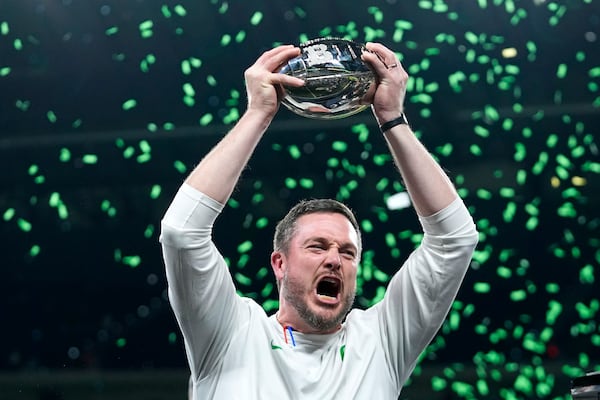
<point>338,82</point>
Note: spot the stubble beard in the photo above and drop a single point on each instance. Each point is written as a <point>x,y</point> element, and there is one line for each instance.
<point>293,294</point>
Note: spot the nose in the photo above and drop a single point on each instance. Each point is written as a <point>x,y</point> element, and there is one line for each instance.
<point>334,259</point>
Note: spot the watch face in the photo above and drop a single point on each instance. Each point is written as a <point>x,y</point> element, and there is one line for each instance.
<point>338,82</point>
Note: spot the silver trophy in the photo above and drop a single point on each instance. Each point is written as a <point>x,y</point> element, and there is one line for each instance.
<point>338,82</point>
<point>586,387</point>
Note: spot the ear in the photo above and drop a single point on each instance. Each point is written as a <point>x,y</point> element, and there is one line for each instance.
<point>278,264</point>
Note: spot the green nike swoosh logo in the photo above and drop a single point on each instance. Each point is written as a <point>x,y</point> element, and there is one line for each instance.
<point>274,346</point>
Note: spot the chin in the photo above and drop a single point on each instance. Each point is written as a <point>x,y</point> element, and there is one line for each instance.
<point>326,317</point>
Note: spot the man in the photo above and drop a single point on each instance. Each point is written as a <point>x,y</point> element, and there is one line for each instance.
<point>312,348</point>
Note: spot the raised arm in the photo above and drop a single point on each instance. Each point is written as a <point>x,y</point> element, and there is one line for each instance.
<point>421,292</point>
<point>427,184</point>
<point>218,172</point>
<point>201,290</point>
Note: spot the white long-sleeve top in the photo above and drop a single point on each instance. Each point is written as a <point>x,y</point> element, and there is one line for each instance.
<point>236,351</point>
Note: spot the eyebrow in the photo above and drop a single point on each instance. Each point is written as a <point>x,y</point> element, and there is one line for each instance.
<point>322,240</point>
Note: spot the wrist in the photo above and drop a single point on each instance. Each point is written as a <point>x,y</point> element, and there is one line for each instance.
<point>258,116</point>
<point>386,125</point>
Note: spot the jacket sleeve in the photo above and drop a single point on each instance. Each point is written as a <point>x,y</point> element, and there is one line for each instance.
<point>421,293</point>
<point>200,287</point>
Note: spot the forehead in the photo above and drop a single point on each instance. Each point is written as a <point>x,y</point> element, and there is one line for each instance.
<point>326,225</point>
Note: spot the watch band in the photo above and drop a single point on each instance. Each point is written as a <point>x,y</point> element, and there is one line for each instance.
<point>386,126</point>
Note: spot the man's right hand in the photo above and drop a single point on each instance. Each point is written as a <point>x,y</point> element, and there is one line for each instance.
<point>263,81</point>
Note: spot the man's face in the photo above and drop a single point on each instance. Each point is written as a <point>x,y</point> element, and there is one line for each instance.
<point>318,273</point>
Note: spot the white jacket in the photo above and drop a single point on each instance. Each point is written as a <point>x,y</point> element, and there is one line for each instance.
<point>236,351</point>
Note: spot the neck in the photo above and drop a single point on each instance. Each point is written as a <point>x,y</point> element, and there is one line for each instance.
<point>302,327</point>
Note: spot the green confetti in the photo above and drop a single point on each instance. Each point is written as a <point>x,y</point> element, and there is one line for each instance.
<point>145,25</point>
<point>149,231</point>
<point>567,210</point>
<point>390,240</point>
<point>554,310</point>
<point>8,214</point>
<point>520,152</point>
<point>552,288</point>
<point>475,150</point>
<point>180,166</point>
<point>521,177</point>
<point>267,290</point>
<point>339,146</point>
<point>145,146</point>
<point>186,67</point>
<point>22,105</point>
<point>504,272</point>
<point>225,40</point>
<point>262,223</point>
<point>51,116</point>
<point>180,10</point>
<point>367,226</point>
<point>24,225</point>
<point>491,113</point>
<point>294,151</point>
<point>518,295</point>
<point>188,89</point>
<point>256,18</point>
<point>206,119</point>
<point>507,192</point>
<point>155,192</point>
<point>307,183</point>
<point>482,287</point>
<point>242,279</point>
<point>133,261</point>
<point>113,30</point>
<point>89,159</point>
<point>240,36</point>
<point>484,194</point>
<point>243,260</point>
<point>166,12</point>
<point>586,274</point>
<point>129,152</point>
<point>35,250</point>
<point>54,200</point>
<point>481,131</point>
<point>129,104</point>
<point>245,247</point>
<point>270,305</point>
<point>438,384</point>
<point>471,37</point>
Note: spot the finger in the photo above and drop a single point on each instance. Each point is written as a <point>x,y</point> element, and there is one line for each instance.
<point>376,62</point>
<point>385,57</point>
<point>287,80</point>
<point>274,58</point>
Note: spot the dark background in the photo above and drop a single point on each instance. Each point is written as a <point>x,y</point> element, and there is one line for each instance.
<point>85,180</point>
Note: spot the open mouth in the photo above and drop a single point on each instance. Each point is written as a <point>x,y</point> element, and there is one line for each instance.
<point>329,288</point>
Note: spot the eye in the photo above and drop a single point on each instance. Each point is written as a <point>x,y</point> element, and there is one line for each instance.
<point>349,253</point>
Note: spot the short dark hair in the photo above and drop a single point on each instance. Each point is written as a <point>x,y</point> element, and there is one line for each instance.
<point>286,228</point>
